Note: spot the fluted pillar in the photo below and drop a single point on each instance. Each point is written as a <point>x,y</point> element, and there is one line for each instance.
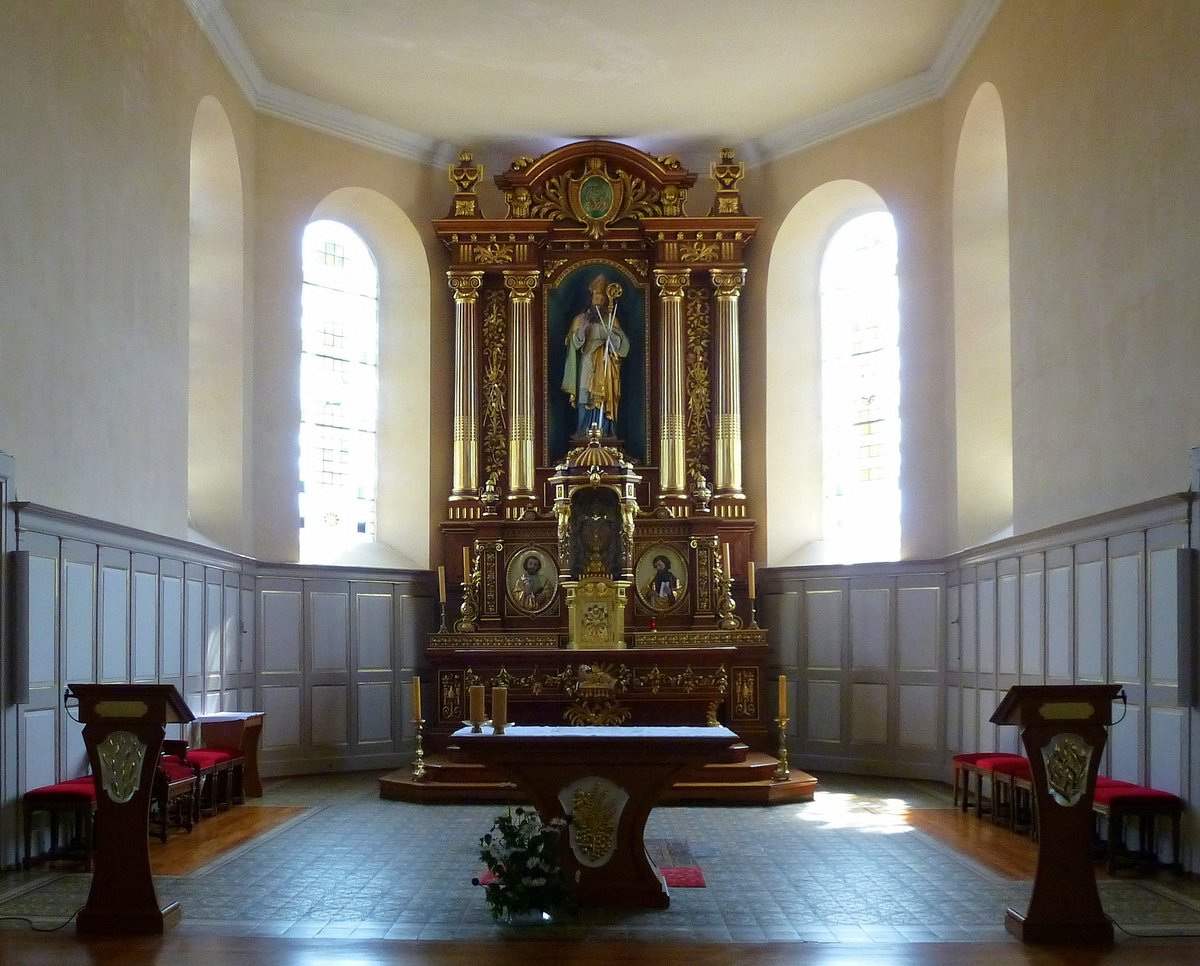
<point>727,438</point>
<point>465,478</point>
<point>520,285</point>
<point>671,448</point>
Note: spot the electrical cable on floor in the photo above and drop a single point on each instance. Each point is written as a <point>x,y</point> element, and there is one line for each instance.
<point>26,919</point>
<point>1153,935</point>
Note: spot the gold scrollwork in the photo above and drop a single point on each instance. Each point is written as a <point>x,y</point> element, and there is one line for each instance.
<point>492,254</point>
<point>451,695</point>
<point>616,197</point>
<point>745,697</point>
<point>593,821</point>
<point>495,369</point>
<point>121,755</point>
<point>686,680</point>
<point>698,425</point>
<point>699,251</point>
<point>1068,758</point>
<point>603,714</point>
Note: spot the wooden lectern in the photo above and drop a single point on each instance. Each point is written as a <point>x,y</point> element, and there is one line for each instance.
<point>124,727</point>
<point>1062,728</point>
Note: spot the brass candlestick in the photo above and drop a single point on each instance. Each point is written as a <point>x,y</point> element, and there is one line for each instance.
<point>470,605</point>
<point>443,629</point>
<point>753,625</point>
<point>419,759</point>
<point>781,769</point>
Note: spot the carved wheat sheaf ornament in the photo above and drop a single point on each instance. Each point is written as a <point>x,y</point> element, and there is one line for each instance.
<point>121,756</point>
<point>1067,758</point>
<point>594,805</point>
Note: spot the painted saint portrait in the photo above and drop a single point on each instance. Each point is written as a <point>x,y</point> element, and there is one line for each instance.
<point>661,576</point>
<point>595,359</point>
<point>532,580</point>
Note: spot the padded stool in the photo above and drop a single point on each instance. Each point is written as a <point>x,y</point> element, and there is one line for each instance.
<point>175,788</point>
<point>75,798</point>
<point>1012,786</point>
<point>977,765</point>
<point>1117,800</point>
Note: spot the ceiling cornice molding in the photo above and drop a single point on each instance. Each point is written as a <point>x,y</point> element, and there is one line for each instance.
<point>319,115</point>
<point>330,119</point>
<point>223,35</point>
<point>927,86</point>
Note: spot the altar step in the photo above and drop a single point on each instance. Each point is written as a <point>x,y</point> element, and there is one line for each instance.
<point>450,778</point>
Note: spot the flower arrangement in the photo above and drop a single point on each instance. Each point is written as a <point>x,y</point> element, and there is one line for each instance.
<point>522,854</point>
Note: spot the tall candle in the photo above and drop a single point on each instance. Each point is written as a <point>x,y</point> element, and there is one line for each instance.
<point>500,706</point>
<point>476,714</point>
<point>441,584</point>
<point>725,560</point>
<point>466,564</point>
<point>750,578</point>
<point>783,696</point>
<point>416,696</point>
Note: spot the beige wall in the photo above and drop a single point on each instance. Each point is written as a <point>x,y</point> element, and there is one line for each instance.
<point>1103,144</point>
<point>99,101</point>
<point>901,160</point>
<point>297,169</point>
<point>1102,140</point>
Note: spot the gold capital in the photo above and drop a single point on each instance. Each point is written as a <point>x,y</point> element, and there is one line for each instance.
<point>728,283</point>
<point>670,284</point>
<point>520,285</point>
<point>466,285</point>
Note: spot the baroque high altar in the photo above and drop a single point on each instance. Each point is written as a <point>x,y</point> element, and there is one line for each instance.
<point>597,537</point>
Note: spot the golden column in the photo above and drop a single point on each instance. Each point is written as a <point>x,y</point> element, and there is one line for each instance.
<point>520,285</point>
<point>728,435</point>
<point>466,285</point>
<point>671,449</point>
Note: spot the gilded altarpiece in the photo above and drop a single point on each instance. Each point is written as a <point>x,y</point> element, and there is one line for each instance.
<point>596,352</point>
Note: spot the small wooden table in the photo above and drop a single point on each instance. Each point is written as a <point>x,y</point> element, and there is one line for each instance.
<point>236,729</point>
<point>607,779</point>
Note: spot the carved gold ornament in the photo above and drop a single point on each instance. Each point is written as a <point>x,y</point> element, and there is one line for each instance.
<point>1067,758</point>
<point>594,806</point>
<point>495,381</point>
<point>600,714</point>
<point>596,198</point>
<point>121,755</point>
<point>698,426</point>
<point>492,254</point>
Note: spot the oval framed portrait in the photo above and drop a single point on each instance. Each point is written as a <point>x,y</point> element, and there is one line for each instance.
<point>532,580</point>
<point>662,578</point>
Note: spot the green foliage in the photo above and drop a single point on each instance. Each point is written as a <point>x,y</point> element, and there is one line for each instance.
<point>524,855</point>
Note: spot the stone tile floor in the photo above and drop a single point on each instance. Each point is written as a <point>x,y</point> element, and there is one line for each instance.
<point>843,868</point>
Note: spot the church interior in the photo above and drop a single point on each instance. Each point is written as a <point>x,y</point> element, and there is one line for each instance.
<point>810,374</point>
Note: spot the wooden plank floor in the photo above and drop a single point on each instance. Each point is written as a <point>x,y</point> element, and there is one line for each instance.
<point>20,949</point>
<point>185,852</point>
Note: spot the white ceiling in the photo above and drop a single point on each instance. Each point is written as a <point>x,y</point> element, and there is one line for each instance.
<point>427,78</point>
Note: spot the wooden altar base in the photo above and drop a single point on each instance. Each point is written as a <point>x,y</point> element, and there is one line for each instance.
<point>449,778</point>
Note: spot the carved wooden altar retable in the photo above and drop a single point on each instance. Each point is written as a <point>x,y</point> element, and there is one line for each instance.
<point>597,530</point>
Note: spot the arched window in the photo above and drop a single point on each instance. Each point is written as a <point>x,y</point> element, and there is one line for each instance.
<point>860,391</point>
<point>339,391</point>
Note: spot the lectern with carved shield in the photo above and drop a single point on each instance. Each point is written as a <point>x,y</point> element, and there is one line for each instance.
<point>1063,731</point>
<point>124,727</point>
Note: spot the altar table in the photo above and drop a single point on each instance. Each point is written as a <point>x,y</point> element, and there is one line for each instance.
<point>607,779</point>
